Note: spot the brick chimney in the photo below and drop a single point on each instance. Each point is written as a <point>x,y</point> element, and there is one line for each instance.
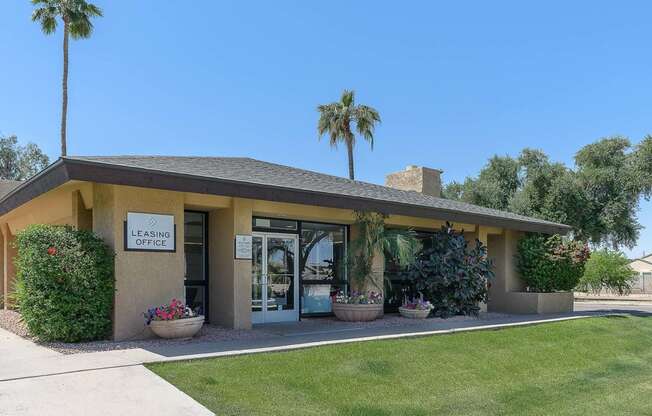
<point>416,178</point>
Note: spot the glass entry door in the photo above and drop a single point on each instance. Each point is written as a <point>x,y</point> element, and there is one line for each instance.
<point>274,278</point>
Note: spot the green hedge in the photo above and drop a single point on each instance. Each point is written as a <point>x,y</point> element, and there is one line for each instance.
<point>550,264</point>
<point>65,283</point>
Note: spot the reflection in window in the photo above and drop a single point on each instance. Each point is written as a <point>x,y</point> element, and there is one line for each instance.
<point>395,287</point>
<point>322,251</point>
<point>322,265</point>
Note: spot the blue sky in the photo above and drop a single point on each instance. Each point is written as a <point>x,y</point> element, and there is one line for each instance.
<point>455,82</point>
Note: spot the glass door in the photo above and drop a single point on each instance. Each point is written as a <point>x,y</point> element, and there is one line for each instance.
<point>274,278</point>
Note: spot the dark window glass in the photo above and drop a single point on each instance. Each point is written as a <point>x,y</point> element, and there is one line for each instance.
<point>194,226</point>
<point>275,224</point>
<point>395,287</point>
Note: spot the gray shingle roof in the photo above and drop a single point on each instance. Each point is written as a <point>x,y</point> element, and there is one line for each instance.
<point>251,171</point>
<point>7,186</point>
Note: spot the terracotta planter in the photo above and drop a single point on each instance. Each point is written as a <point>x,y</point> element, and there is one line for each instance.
<point>356,313</point>
<point>414,313</point>
<point>178,328</point>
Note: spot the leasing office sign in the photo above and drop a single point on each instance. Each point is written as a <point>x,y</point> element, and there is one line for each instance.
<point>150,232</point>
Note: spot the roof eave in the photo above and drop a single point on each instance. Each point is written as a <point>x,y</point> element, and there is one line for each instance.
<point>64,170</point>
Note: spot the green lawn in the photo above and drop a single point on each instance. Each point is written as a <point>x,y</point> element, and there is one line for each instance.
<point>597,366</point>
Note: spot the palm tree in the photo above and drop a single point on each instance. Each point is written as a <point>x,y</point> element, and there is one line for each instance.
<point>76,17</point>
<point>336,118</point>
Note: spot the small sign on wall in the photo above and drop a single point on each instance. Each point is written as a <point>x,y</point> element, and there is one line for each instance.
<point>150,232</point>
<point>243,247</point>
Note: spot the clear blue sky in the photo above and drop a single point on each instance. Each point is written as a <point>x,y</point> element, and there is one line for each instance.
<point>455,82</point>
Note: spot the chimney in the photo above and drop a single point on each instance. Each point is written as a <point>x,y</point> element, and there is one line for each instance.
<point>416,178</point>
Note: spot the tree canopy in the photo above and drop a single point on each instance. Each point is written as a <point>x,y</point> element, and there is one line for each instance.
<point>20,162</point>
<point>598,197</point>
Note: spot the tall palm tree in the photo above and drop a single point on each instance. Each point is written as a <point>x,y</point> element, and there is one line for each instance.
<point>76,17</point>
<point>335,120</point>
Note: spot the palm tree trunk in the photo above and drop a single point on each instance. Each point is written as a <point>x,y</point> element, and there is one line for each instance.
<point>64,101</point>
<point>349,148</point>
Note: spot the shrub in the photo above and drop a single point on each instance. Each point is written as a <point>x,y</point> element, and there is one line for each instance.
<point>550,264</point>
<point>65,283</point>
<point>607,269</point>
<point>450,274</point>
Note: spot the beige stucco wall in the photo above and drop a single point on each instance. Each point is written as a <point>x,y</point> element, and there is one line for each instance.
<point>642,266</point>
<point>142,279</point>
<point>145,279</point>
<point>230,284</point>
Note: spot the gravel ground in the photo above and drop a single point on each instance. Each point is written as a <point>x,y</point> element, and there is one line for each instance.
<point>11,321</point>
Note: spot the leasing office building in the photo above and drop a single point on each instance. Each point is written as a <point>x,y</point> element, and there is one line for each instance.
<point>242,240</point>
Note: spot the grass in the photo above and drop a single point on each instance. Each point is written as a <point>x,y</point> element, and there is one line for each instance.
<point>597,366</point>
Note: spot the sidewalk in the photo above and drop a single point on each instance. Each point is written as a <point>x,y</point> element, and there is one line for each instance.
<point>38,381</point>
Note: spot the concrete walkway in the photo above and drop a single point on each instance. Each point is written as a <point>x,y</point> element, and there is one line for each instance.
<point>37,381</point>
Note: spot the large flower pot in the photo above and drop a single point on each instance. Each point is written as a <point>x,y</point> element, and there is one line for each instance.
<point>357,312</point>
<point>177,328</point>
<point>414,313</point>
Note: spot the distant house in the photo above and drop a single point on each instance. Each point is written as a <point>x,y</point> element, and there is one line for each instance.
<point>643,266</point>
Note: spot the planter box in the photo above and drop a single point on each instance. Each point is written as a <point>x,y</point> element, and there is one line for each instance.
<point>357,313</point>
<point>530,302</point>
<point>178,328</point>
<point>414,313</point>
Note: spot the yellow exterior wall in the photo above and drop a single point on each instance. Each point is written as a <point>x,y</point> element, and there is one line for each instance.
<point>142,279</point>
<point>145,279</point>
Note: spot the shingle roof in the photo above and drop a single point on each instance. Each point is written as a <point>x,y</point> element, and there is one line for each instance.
<point>7,186</point>
<point>240,170</point>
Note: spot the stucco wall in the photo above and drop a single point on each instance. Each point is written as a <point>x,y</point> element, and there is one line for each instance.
<point>143,279</point>
<point>230,284</point>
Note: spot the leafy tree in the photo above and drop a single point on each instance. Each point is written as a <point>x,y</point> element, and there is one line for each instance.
<point>335,120</point>
<point>599,197</point>
<point>76,17</point>
<point>20,162</point>
<point>607,269</point>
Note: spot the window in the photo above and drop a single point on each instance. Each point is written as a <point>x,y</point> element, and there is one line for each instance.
<point>196,275</point>
<point>395,287</point>
<point>322,265</point>
<point>275,224</point>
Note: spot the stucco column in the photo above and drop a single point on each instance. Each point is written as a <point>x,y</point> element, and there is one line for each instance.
<point>142,279</point>
<point>9,269</point>
<point>230,279</point>
<point>507,279</point>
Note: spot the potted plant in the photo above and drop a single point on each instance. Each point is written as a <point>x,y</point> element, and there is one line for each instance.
<point>174,320</point>
<point>372,239</point>
<point>415,308</point>
<point>359,306</point>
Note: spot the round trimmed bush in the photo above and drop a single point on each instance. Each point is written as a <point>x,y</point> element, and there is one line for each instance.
<point>550,264</point>
<point>65,283</point>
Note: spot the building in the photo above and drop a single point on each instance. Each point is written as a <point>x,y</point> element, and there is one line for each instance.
<point>224,232</point>
<point>642,266</point>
